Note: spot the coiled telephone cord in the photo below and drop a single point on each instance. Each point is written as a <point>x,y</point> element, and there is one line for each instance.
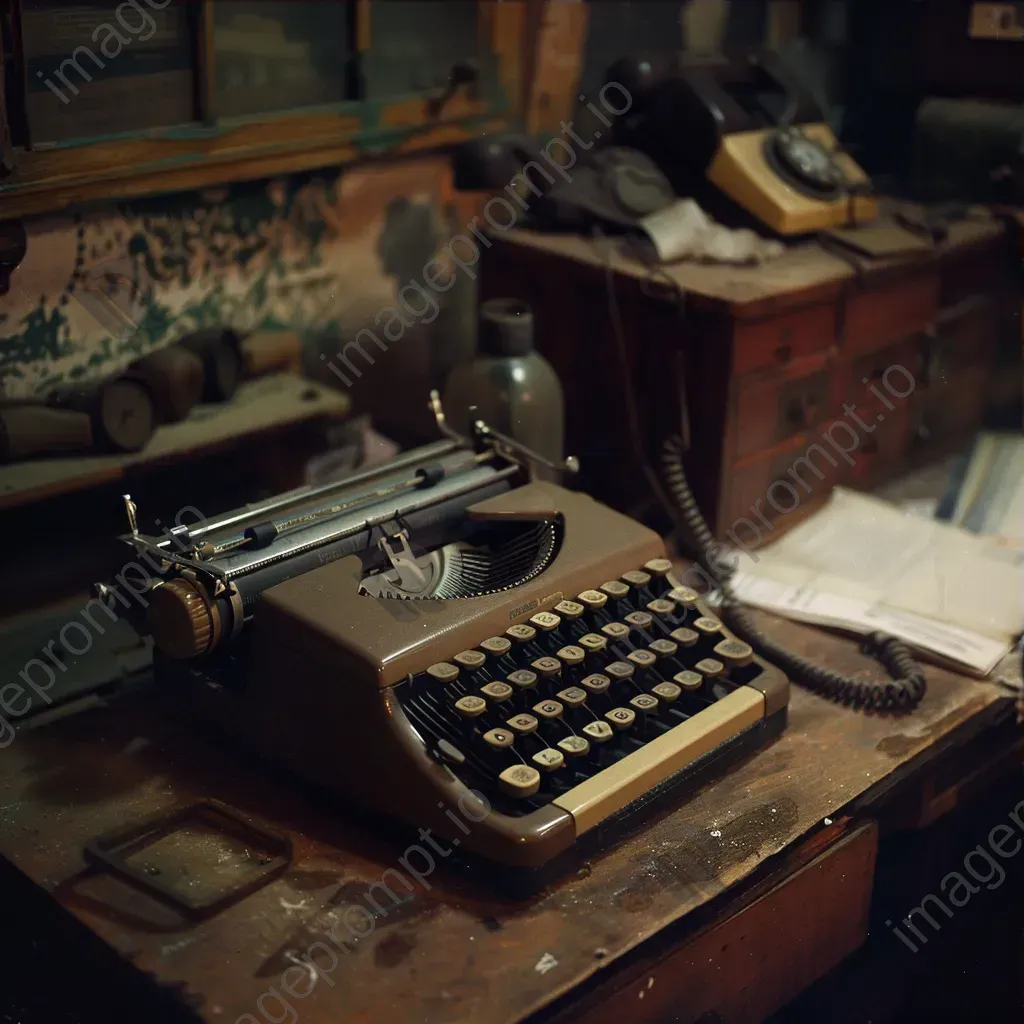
<point>900,693</point>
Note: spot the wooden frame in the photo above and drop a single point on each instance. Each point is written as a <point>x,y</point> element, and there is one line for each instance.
<point>212,150</point>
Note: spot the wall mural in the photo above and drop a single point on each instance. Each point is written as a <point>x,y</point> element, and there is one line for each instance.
<point>316,253</point>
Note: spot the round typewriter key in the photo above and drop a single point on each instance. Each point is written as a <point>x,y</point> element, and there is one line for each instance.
<point>636,578</point>
<point>572,696</point>
<point>522,633</point>
<point>598,732</point>
<point>639,620</point>
<point>497,691</point>
<point>596,683</point>
<point>548,760</point>
<point>735,653</point>
<point>546,666</point>
<point>621,718</point>
<point>664,648</point>
<point>569,609</point>
<point>642,659</point>
<point>688,680</point>
<point>522,724</point>
<point>592,642</point>
<point>522,678</point>
<point>496,645</point>
<point>615,589</point>
<point>707,625</point>
<point>684,637</point>
<point>683,596</point>
<point>710,667</point>
<point>668,692</point>
<point>658,566</point>
<point>615,630</point>
<point>549,710</point>
<point>471,707</point>
<point>619,670</point>
<point>545,621</point>
<point>659,606</point>
<point>593,599</point>
<point>572,655</point>
<point>573,746</point>
<point>520,780</point>
<point>443,672</point>
<point>470,660</point>
<point>500,739</point>
<point>644,703</point>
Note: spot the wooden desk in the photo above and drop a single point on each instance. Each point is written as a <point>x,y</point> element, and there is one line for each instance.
<point>730,903</point>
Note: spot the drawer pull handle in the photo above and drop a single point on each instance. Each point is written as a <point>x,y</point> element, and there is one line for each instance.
<point>783,353</point>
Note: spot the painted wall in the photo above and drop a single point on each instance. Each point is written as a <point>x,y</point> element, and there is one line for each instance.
<point>322,254</point>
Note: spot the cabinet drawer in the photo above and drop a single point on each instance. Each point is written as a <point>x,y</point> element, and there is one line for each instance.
<point>777,341</point>
<point>947,414</point>
<point>962,339</point>
<point>768,412</point>
<point>877,317</point>
<point>883,381</point>
<point>882,452</point>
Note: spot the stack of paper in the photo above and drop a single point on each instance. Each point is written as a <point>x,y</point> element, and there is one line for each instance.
<point>861,564</point>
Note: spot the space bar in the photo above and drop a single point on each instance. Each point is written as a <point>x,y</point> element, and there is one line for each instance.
<point>612,789</point>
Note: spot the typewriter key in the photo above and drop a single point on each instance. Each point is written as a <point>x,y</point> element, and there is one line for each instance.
<point>572,655</point>
<point>688,680</point>
<point>644,703</point>
<point>522,724</point>
<point>619,670</point>
<point>658,566</point>
<point>496,645</point>
<point>500,739</point>
<point>545,620</point>
<point>615,589</point>
<point>642,659</point>
<point>470,660</point>
<point>596,683</point>
<point>593,599</point>
<point>711,668</point>
<point>548,760</point>
<point>668,692</point>
<point>523,679</point>
<point>683,596</point>
<point>520,780</point>
<point>735,653</point>
<point>621,718</point>
<point>443,672</point>
<point>573,746</point>
<point>639,620</point>
<point>593,643</point>
<point>572,696</point>
<point>707,625</point>
<point>471,706</point>
<point>546,666</point>
<point>521,633</point>
<point>615,630</point>
<point>598,732</point>
<point>569,609</point>
<point>664,648</point>
<point>497,691</point>
<point>636,578</point>
<point>684,637</point>
<point>659,606</point>
<point>549,710</point>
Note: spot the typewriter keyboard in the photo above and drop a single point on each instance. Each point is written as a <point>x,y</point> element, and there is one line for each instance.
<point>529,715</point>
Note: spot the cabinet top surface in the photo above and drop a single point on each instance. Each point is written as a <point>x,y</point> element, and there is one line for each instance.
<point>807,271</point>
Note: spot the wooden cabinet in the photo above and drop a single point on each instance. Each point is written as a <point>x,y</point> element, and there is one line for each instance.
<point>112,99</point>
<point>792,378</point>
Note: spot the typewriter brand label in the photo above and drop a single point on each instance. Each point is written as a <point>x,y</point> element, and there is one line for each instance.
<point>523,609</point>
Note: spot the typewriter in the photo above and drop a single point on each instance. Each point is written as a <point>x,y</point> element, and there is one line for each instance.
<point>444,633</point>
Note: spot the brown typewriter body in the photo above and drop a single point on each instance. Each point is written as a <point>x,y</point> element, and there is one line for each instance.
<point>328,670</point>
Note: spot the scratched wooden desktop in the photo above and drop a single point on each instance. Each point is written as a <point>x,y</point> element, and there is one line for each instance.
<point>729,904</point>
